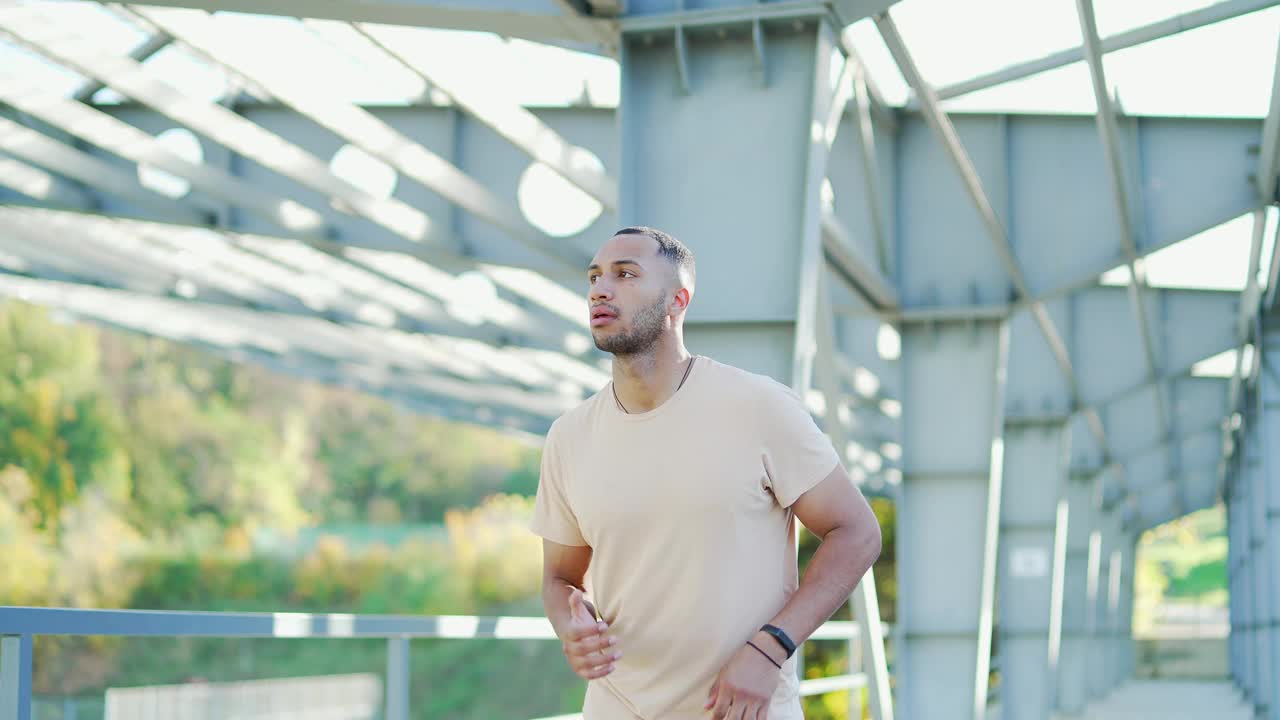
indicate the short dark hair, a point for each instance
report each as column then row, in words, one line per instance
column 676, row 252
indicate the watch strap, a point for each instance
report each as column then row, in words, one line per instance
column 782, row 637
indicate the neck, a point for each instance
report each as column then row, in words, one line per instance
column 643, row 381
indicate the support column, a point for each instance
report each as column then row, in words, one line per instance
column 953, row 412
column 1264, row 680
column 1100, row 545
column 1248, row 665
column 1269, row 429
column 745, row 197
column 1122, row 637
column 398, row 678
column 1033, row 525
column 15, row 677
column 1233, row 580
column 1082, row 503
column 1112, row 675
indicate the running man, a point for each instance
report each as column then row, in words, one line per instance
column 670, row 498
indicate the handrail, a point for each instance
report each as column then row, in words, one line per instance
column 19, row 625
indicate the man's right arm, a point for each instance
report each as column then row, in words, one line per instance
column 587, row 645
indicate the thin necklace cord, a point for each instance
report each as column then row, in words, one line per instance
column 682, row 379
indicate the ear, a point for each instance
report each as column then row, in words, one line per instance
column 680, row 302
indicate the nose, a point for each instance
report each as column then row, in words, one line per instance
column 600, row 291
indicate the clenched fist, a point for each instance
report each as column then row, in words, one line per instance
column 591, row 651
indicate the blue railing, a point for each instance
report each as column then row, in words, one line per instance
column 19, row 626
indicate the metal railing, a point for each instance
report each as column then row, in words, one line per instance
column 19, row 626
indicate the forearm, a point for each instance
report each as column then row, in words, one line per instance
column 555, row 601
column 843, row 557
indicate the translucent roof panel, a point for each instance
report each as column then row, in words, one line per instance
column 22, row 63
column 1117, row 16
column 112, row 32
column 1223, row 69
column 524, row 72
column 954, row 41
column 1216, row 259
column 180, row 68
column 320, row 55
column 1220, row 70
column 335, row 55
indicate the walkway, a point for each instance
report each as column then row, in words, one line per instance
column 1171, row 700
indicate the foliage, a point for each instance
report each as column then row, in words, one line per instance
column 829, row 657
column 1183, row 561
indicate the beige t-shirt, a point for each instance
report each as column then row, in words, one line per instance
column 686, row 510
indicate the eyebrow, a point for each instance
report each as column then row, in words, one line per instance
column 624, row 261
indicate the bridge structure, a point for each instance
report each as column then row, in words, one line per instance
column 932, row 282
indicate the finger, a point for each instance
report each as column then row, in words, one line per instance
column 763, row 712
column 721, row 710
column 592, row 660
column 579, row 630
column 597, row 672
column 578, row 607
column 712, row 696
column 593, row 643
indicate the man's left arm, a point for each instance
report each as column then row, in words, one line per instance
column 836, row 512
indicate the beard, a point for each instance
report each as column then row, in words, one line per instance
column 646, row 328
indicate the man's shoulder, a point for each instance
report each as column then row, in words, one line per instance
column 742, row 380
column 577, row 415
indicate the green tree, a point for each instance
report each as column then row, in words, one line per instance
column 56, row 424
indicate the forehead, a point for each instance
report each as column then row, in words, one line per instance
column 634, row 247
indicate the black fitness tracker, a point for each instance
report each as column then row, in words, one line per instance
column 781, row 636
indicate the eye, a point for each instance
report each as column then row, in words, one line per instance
column 591, row 279
column 626, row 273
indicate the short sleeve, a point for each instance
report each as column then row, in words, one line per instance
column 797, row 454
column 553, row 518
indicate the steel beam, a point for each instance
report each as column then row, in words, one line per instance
column 1107, row 129
column 870, row 170
column 1033, row 523
column 842, row 253
column 805, row 342
column 1100, row 545
column 42, row 150
column 518, row 125
column 124, row 140
column 947, row 136
column 953, row 408
column 299, row 222
column 34, row 28
column 311, row 348
column 536, row 21
column 1264, row 181
column 1215, row 13
column 872, row 102
column 40, row 185
column 1083, row 501
column 253, row 271
column 1264, row 554
column 363, row 130
column 1121, row 606
column 1268, row 421
column 152, row 45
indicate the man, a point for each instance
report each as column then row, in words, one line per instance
column 670, row 497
